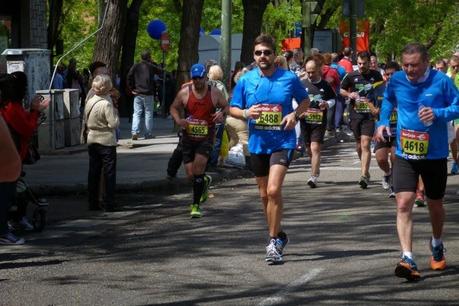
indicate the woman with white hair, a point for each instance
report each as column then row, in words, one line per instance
column 101, row 119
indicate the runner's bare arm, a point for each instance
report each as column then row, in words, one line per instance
column 177, row 107
column 290, row 120
column 220, row 102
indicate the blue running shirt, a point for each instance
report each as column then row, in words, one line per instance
column 275, row 93
column 415, row 141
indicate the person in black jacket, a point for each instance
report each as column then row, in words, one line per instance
column 141, row 83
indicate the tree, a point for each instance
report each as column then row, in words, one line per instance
column 189, row 33
column 253, row 16
column 55, row 13
column 109, row 40
column 128, row 50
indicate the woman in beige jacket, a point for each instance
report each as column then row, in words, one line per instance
column 101, row 121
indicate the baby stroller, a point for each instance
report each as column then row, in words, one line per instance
column 25, row 196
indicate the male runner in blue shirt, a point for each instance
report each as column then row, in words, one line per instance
column 263, row 96
column 426, row 100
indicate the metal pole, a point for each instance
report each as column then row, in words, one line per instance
column 225, row 55
column 306, row 36
column 163, row 98
column 353, row 25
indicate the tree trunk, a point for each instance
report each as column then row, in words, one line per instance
column 110, row 38
column 55, row 12
column 128, row 52
column 253, row 17
column 189, row 38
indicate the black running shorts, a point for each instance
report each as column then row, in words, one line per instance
column 361, row 127
column 388, row 143
column 314, row 133
column 433, row 172
column 190, row 148
column 261, row 163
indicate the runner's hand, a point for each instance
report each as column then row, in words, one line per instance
column 289, row 121
column 379, row 135
column 183, row 123
column 39, row 103
column 254, row 112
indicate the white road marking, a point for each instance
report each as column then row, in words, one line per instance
column 282, row 295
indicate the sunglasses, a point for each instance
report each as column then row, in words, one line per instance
column 264, row 52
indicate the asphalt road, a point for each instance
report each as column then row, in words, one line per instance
column 343, row 249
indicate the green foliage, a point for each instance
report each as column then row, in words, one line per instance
column 79, row 19
column 279, row 21
column 393, row 24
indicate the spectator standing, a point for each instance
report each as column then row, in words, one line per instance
column 102, row 121
column 141, row 83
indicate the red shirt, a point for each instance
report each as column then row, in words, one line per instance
column 332, row 77
column 201, row 109
column 24, row 123
column 347, row 64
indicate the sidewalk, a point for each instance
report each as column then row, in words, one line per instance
column 140, row 168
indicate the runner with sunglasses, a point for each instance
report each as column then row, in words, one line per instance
column 263, row 96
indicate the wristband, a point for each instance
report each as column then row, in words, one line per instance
column 244, row 113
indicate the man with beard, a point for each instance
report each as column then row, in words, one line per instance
column 263, row 96
column 356, row 86
column 199, row 100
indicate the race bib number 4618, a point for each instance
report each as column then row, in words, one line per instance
column 270, row 118
column 414, row 144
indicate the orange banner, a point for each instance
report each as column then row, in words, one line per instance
column 363, row 34
column 291, row 43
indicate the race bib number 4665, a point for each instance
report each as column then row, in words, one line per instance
column 270, row 118
column 414, row 144
column 197, row 129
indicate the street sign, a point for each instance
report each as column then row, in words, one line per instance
column 165, row 42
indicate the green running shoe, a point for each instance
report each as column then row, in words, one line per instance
column 195, row 211
column 205, row 193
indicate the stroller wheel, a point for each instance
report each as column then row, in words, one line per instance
column 39, row 219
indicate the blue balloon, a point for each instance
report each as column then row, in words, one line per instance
column 216, row 32
column 155, row 28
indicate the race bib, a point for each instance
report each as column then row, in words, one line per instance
column 197, row 129
column 270, row 118
column 314, row 116
column 393, row 122
column 362, row 107
column 414, row 144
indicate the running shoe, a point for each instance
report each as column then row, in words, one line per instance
column 386, row 182
column 10, row 238
column 195, row 211
column 205, row 193
column 312, row 182
column 454, row 169
column 438, row 260
column 25, row 224
column 408, row 269
column 392, row 193
column 281, row 242
column 419, row 201
column 272, row 254
column 364, row 182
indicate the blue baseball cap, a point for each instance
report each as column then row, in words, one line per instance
column 198, row 71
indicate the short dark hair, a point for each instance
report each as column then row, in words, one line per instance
column 393, row 65
column 364, row 54
column 288, row 55
column 265, row 39
column 416, row 47
column 347, row 51
column 13, row 86
column 94, row 65
column 145, row 55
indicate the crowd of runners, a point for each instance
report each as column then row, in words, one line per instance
column 287, row 104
